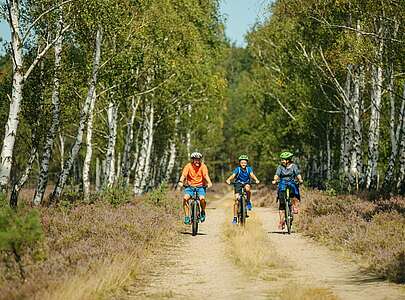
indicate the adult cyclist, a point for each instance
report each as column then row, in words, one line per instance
column 195, row 174
column 287, row 175
column 242, row 175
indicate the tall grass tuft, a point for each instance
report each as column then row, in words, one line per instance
column 248, row 247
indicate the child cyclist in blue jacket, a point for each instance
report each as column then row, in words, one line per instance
column 242, row 175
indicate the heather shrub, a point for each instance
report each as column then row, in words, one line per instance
column 78, row 240
column 375, row 231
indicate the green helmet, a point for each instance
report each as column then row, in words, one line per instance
column 286, row 155
column 243, row 157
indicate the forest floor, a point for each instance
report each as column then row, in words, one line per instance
column 201, row 267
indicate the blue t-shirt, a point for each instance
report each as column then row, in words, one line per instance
column 242, row 176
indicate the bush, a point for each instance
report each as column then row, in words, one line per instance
column 373, row 230
column 117, row 195
column 20, row 231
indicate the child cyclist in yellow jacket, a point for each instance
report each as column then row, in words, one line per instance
column 242, row 175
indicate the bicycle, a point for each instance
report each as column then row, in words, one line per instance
column 288, row 213
column 242, row 201
column 195, row 209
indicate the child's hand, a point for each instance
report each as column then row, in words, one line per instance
column 274, row 182
column 228, row 181
column 257, row 181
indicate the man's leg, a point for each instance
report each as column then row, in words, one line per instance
column 248, row 194
column 281, row 215
column 295, row 205
column 203, row 206
column 235, row 208
column 186, row 208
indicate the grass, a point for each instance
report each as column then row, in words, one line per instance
column 374, row 231
column 294, row 291
column 248, row 248
column 91, row 249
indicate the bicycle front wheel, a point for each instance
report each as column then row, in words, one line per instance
column 242, row 211
column 288, row 216
column 194, row 218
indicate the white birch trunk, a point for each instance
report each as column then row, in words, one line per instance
column 118, row 172
column 374, row 128
column 129, row 138
column 356, row 163
column 401, row 139
column 143, row 164
column 346, row 132
column 147, row 171
column 328, row 156
column 16, row 95
column 89, row 149
column 172, row 151
column 44, row 165
column 24, row 177
column 395, row 131
column 172, row 160
column 62, row 150
column 98, row 175
column 112, row 116
column 82, row 122
column 188, row 134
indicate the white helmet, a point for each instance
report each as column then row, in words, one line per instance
column 196, row 155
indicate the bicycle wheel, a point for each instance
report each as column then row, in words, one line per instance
column 194, row 218
column 242, row 210
column 288, row 218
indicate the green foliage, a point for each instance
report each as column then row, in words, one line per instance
column 116, row 195
column 20, row 230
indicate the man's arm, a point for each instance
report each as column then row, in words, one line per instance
column 254, row 177
column 228, row 180
column 181, row 180
column 208, row 179
column 299, row 177
column 276, row 178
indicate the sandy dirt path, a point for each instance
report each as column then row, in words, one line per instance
column 314, row 263
column 199, row 268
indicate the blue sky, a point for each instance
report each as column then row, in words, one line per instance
column 240, row 15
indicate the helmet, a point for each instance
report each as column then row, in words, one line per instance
column 286, row 155
column 243, row 157
column 196, row 155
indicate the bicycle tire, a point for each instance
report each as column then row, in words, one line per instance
column 242, row 205
column 194, row 218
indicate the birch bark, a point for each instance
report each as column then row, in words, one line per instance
column 44, row 165
column 89, row 149
column 142, row 169
column 172, row 151
column 374, row 128
column 16, row 95
column 129, row 139
column 112, row 115
column 82, row 122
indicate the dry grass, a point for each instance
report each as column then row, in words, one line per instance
column 90, row 249
column 248, row 248
column 294, row 291
column 95, row 284
column 375, row 231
